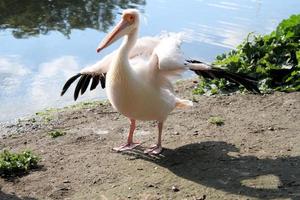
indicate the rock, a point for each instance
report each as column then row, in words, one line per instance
column 201, row 198
column 150, row 185
column 66, row 181
column 271, row 128
column 196, row 133
column 175, row 189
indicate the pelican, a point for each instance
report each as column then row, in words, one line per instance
column 138, row 76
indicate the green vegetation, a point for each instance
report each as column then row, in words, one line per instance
column 56, row 133
column 272, row 59
column 17, row 163
column 219, row 121
column 48, row 115
column 86, row 104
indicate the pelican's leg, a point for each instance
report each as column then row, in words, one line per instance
column 157, row 148
column 130, row 144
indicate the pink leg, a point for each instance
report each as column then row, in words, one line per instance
column 130, row 144
column 156, row 149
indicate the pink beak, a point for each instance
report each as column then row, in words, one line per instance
column 114, row 35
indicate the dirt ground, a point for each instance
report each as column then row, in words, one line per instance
column 254, row 155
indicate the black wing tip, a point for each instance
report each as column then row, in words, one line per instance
column 83, row 83
column 103, row 80
column 68, row 83
column 95, row 82
column 248, row 82
column 79, row 86
column 256, row 90
column 62, row 93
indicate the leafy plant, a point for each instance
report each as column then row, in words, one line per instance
column 56, row 133
column 17, row 163
column 272, row 59
column 219, row 121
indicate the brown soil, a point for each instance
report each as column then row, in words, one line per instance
column 254, row 155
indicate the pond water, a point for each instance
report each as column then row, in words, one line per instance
column 42, row 43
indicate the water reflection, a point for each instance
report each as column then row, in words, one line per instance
column 31, row 17
column 11, row 73
column 33, row 69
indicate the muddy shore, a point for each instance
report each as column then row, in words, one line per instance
column 255, row 154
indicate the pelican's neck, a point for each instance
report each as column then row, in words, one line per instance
column 128, row 43
column 120, row 70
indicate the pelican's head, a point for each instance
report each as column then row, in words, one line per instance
column 128, row 24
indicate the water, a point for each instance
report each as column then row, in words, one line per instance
column 42, row 43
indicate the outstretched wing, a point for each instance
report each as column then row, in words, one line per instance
column 208, row 71
column 83, row 83
column 96, row 73
column 166, row 62
column 170, row 57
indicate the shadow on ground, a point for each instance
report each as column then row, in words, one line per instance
column 5, row 196
column 16, row 175
column 218, row 165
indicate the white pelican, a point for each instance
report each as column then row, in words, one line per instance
column 137, row 76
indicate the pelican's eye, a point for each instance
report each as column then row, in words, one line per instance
column 129, row 18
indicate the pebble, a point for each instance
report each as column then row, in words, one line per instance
column 175, row 189
column 271, row 128
column 131, row 158
column 201, row 198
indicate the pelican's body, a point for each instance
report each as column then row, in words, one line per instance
column 138, row 75
column 136, row 85
column 134, row 90
column 137, row 80
column 135, row 98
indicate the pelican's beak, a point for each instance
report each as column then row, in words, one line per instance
column 115, row 34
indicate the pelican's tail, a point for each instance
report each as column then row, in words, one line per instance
column 182, row 103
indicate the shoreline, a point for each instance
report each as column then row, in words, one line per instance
column 254, row 154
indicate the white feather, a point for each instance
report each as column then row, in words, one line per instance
column 145, row 92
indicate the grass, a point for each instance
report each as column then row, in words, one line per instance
column 56, row 133
column 12, row 164
column 216, row 120
column 48, row 115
